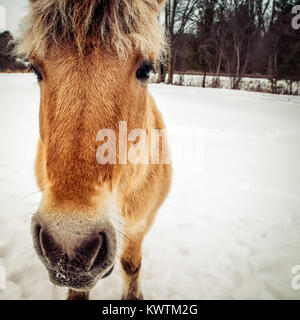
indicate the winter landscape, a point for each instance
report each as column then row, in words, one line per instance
column 230, row 226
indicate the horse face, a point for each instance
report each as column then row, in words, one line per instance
column 73, row 231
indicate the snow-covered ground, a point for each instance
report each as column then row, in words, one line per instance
column 230, row 228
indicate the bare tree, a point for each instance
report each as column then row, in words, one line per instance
column 178, row 20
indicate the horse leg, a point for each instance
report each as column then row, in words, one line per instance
column 77, row 295
column 131, row 258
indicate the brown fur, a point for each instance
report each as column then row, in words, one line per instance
column 81, row 95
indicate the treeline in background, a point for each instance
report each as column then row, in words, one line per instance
column 236, row 38
column 8, row 61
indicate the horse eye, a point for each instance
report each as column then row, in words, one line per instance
column 143, row 72
column 36, row 72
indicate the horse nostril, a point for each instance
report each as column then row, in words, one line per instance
column 36, row 230
column 91, row 253
column 49, row 248
column 102, row 252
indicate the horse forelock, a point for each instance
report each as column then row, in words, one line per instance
column 119, row 26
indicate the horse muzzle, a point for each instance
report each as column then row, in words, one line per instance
column 76, row 255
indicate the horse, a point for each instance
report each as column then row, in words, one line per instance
column 92, row 60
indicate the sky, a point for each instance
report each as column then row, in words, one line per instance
column 13, row 11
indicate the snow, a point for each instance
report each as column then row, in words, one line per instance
column 230, row 226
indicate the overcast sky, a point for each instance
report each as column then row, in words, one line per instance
column 15, row 11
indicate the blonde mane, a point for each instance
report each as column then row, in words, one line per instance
column 120, row 26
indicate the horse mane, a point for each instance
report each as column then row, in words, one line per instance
column 116, row 25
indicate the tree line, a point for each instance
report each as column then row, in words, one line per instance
column 231, row 37
column 8, row 61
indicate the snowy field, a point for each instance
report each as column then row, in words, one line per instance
column 230, row 228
